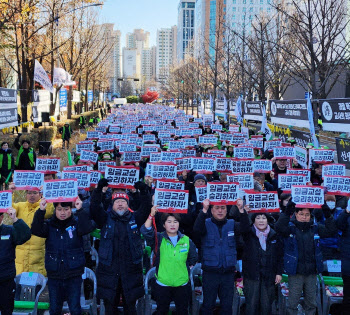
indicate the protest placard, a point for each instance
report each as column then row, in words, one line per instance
column 222, row 193
column 337, row 185
column 127, row 147
column 221, row 153
column 164, row 134
column 284, row 152
column 95, row 176
column 343, row 151
column 176, row 145
column 262, row 201
column 216, row 127
column 197, row 131
column 242, row 166
column 102, row 165
column 183, row 164
column 114, row 129
column 101, row 129
column 224, row 164
column 301, row 156
column 207, row 140
column 60, row 190
column 88, row 156
column 167, row 156
column 188, row 153
column 170, row 200
column 49, row 165
column 131, row 157
column 161, row 170
column 170, row 184
column 87, row 146
column 149, row 137
column 83, row 178
column 93, row 134
column 256, row 143
column 245, row 180
column 269, row 145
column 5, row 200
column 203, row 165
column 297, row 171
column 321, row 156
column 82, row 168
column 149, row 128
column 201, row 193
column 244, row 153
column 262, row 166
column 185, row 132
column 308, row 196
column 122, row 176
column 128, row 130
column 333, row 169
column 147, row 150
column 105, row 146
column 234, row 128
column 190, row 142
column 285, row 181
column 155, row 157
column 28, row 180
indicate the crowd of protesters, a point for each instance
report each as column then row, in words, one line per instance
column 50, row 238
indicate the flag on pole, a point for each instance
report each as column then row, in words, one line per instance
column 310, row 114
column 41, row 77
column 226, row 114
column 238, row 111
column 264, row 127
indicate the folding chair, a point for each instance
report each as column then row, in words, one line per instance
column 239, row 298
column 89, row 305
column 332, row 285
column 29, row 286
column 283, row 293
column 150, row 305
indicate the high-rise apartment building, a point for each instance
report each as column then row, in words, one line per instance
column 139, row 40
column 185, row 28
column 115, row 57
column 166, row 52
column 148, row 65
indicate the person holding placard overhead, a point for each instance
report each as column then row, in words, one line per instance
column 64, row 257
column 343, row 224
column 10, row 237
column 175, row 255
column 218, row 253
column 302, row 253
column 30, row 256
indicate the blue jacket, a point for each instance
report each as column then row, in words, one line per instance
column 302, row 253
column 218, row 241
column 343, row 224
column 64, row 255
column 10, row 237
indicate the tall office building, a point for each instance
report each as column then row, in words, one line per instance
column 115, row 58
column 185, row 28
column 166, row 52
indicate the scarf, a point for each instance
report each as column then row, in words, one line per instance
column 262, row 236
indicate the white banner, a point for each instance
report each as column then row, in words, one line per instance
column 41, row 77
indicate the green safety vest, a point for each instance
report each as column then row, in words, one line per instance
column 98, row 119
column 30, row 155
column 8, row 160
column 64, row 131
column 172, row 270
column 82, row 120
column 91, row 120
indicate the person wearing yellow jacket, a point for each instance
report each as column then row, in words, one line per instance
column 30, row 257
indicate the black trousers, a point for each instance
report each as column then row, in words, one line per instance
column 164, row 296
column 7, row 296
column 112, row 306
column 259, row 297
column 218, row 284
column 346, row 295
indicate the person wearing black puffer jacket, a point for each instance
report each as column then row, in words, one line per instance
column 262, row 265
column 343, row 224
column 64, row 255
column 120, row 251
column 302, row 253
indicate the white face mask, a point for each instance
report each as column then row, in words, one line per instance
column 348, row 207
column 331, row 204
column 120, row 212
